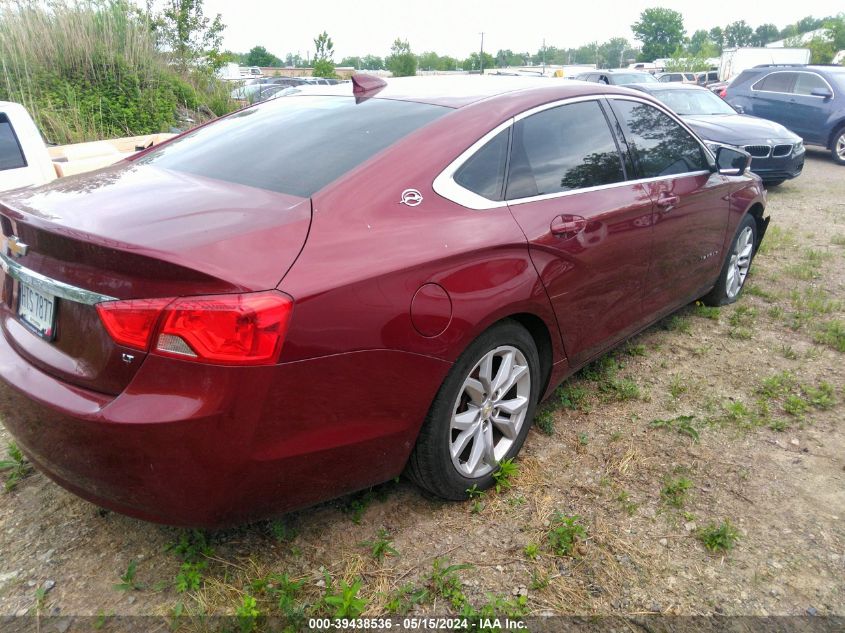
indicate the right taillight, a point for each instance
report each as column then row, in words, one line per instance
column 238, row 329
column 723, row 92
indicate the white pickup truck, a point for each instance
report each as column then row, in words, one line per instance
column 25, row 160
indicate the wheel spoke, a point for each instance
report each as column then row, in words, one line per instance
column 461, row 441
column 504, row 371
column 517, row 372
column 507, row 426
column 475, row 390
column 485, row 372
column 463, row 421
column 477, row 451
column 514, row 405
column 489, row 454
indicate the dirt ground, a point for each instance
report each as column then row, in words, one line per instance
column 710, row 416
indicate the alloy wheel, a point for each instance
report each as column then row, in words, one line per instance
column 490, row 411
column 740, row 262
column 840, row 147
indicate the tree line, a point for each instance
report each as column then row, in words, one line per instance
column 660, row 33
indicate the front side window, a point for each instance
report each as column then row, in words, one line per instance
column 807, row 82
column 484, row 172
column 660, row 145
column 560, row 149
column 11, row 156
column 776, row 82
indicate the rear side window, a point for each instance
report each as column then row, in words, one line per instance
column 11, row 156
column 563, row 148
column 484, row 173
column 659, row 144
column 807, row 82
column 295, row 144
column 776, row 82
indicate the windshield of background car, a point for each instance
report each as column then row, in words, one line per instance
column 294, row 144
column 634, row 78
column 693, row 102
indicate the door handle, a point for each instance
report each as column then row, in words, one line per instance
column 668, row 201
column 567, row 225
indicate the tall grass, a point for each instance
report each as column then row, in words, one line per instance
column 90, row 69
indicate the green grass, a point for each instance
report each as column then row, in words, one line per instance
column 532, row 551
column 572, row 396
column 718, row 538
column 564, row 533
column 127, row 580
column 677, row 323
column 544, row 420
column 344, row 601
column 380, row 546
column 16, row 467
column 838, row 240
column 831, row 334
column 777, row 240
column 674, row 492
column 681, row 425
column 707, row 312
column 504, row 474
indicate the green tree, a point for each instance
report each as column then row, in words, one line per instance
column 190, row 38
column 428, row 61
column 401, row 61
column 323, row 62
column 353, row 61
column 613, row 52
column 717, row 36
column 260, row 56
column 821, row 50
column 738, row 34
column 698, row 41
column 507, row 57
column 765, row 33
column 836, row 26
column 294, row 61
column 661, row 31
column 472, row 62
column 372, row 62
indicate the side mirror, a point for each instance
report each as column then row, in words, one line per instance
column 824, row 93
column 739, row 109
column 732, row 161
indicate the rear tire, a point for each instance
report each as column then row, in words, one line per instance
column 737, row 265
column 837, row 148
column 772, row 183
column 481, row 414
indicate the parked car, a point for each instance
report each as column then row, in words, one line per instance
column 707, row 78
column 686, row 78
column 312, row 295
column 617, row 77
column 776, row 153
column 809, row 100
column 24, row 159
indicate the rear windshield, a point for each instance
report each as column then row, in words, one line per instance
column 295, row 144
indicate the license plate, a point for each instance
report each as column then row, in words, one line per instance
column 37, row 310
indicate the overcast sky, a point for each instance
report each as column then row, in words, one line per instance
column 452, row 27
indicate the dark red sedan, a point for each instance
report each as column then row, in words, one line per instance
column 315, row 294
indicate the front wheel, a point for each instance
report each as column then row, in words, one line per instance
column 838, row 148
column 737, row 264
column 481, row 414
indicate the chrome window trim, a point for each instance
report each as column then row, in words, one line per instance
column 49, row 286
column 797, row 94
column 445, row 185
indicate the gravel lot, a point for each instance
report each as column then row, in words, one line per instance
column 743, row 404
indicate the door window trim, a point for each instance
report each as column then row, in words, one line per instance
column 794, row 94
column 445, row 185
column 8, row 121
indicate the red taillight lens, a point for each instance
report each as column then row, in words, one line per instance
column 132, row 323
column 723, row 93
column 245, row 329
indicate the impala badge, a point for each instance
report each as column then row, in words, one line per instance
column 411, row 197
column 16, row 247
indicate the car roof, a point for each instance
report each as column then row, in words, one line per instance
column 665, row 86
column 460, row 90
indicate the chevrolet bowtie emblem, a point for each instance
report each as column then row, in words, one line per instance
column 16, row 247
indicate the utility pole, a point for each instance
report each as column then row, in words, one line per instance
column 481, row 56
column 544, row 56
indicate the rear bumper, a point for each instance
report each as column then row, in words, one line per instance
column 209, row 446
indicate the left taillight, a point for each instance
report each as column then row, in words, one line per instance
column 238, row 329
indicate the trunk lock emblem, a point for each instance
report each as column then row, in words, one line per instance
column 16, row 247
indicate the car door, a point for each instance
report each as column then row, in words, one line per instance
column 770, row 97
column 690, row 203
column 807, row 112
column 587, row 227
